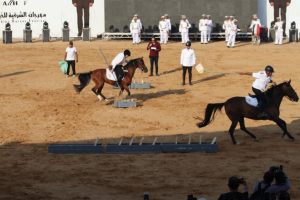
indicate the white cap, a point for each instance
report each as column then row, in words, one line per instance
column 255, row 16
column 135, row 15
column 166, row 15
column 183, row 16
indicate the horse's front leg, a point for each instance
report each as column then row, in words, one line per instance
column 127, row 90
column 281, row 123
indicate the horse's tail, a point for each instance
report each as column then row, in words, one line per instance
column 84, row 80
column 210, row 113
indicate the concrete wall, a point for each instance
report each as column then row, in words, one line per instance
column 118, row 13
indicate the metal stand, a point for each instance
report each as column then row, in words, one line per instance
column 46, row 35
column 7, row 36
column 27, row 35
column 293, row 35
column 65, row 34
column 86, row 34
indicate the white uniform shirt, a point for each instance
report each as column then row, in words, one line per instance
column 262, row 80
column 279, row 26
column 169, row 25
column 255, row 24
column 71, row 53
column 163, row 26
column 134, row 27
column 209, row 23
column 118, row 60
column 188, row 58
column 226, row 25
column 184, row 26
column 203, row 25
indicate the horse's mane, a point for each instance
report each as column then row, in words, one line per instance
column 271, row 89
column 130, row 62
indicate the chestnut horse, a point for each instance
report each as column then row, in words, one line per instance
column 237, row 109
column 99, row 78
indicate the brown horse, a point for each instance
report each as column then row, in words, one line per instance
column 99, row 78
column 237, row 109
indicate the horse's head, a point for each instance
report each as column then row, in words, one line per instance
column 289, row 91
column 139, row 62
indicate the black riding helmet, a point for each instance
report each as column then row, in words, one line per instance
column 188, row 43
column 269, row 69
column 127, row 52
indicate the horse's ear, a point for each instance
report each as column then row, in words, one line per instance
column 289, row 82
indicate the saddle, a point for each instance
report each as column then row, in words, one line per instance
column 252, row 95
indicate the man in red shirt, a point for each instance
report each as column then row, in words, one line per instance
column 280, row 4
column 154, row 48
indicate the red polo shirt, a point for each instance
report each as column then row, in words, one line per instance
column 154, row 49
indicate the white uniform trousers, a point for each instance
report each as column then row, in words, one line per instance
column 227, row 32
column 231, row 40
column 135, row 38
column 208, row 34
column 184, row 37
column 163, row 37
column 278, row 36
column 204, row 36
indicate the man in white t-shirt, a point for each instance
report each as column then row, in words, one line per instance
column 71, row 56
column 259, row 86
column 187, row 61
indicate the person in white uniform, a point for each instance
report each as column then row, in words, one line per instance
column 169, row 25
column 184, row 26
column 278, row 31
column 187, row 61
column 135, row 31
column 255, row 29
column 117, row 64
column 203, row 29
column 259, row 86
column 226, row 27
column 209, row 27
column 135, row 16
column 163, row 29
column 232, row 34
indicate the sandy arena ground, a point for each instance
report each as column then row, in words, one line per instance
column 39, row 106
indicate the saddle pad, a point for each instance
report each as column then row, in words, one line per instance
column 111, row 75
column 251, row 101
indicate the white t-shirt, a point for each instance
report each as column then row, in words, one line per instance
column 262, row 80
column 188, row 58
column 118, row 60
column 71, row 53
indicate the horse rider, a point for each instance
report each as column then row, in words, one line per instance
column 117, row 64
column 259, row 86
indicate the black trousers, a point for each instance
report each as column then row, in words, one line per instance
column 73, row 64
column 119, row 72
column 153, row 60
column 184, row 68
column 261, row 98
column 80, row 9
column 282, row 6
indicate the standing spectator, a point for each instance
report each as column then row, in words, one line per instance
column 163, row 29
column 278, row 31
column 233, row 185
column 255, row 29
column 203, row 29
column 71, row 56
column 83, row 5
column 135, row 30
column 232, row 34
column 184, row 26
column 226, row 27
column 154, row 48
column 280, row 4
column 169, row 25
column 209, row 27
column 187, row 60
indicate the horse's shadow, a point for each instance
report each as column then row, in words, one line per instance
column 171, row 71
column 213, row 77
column 144, row 97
